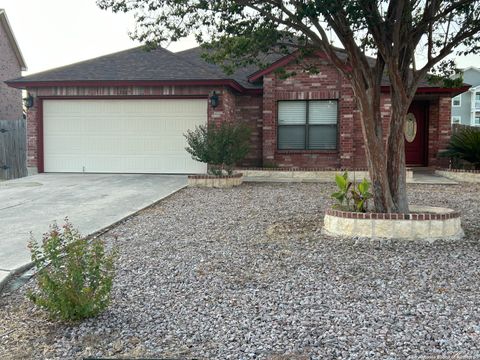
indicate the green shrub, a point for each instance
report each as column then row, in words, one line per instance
column 74, row 275
column 349, row 197
column 464, row 145
column 222, row 146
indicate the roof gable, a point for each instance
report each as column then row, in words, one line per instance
column 11, row 38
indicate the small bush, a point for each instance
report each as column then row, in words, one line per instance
column 349, row 197
column 222, row 146
column 464, row 145
column 74, row 275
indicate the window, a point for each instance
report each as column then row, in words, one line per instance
column 307, row 125
column 456, row 119
column 457, row 101
column 477, row 100
column 477, row 121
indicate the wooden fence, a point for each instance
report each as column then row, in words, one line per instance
column 13, row 149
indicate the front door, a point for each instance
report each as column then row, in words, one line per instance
column 415, row 141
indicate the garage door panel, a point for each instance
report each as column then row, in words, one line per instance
column 131, row 136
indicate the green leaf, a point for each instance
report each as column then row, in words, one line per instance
column 363, row 186
column 341, row 182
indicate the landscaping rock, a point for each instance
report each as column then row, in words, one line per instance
column 246, row 273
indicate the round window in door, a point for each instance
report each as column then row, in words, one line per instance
column 410, row 129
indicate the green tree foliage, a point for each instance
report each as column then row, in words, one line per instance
column 465, row 145
column 74, row 275
column 378, row 39
column 221, row 146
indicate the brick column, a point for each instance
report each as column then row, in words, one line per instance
column 346, row 124
column 269, row 128
column 439, row 129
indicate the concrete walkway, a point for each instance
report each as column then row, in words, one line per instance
column 91, row 201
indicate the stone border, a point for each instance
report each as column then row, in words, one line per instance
column 300, row 169
column 313, row 175
column 426, row 223
column 470, row 176
column 212, row 181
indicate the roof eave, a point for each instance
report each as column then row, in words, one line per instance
column 434, row 90
column 24, row 84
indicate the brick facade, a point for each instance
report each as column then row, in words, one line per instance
column 328, row 84
column 10, row 98
column 259, row 112
column 231, row 107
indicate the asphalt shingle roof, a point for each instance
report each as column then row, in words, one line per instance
column 132, row 64
column 160, row 64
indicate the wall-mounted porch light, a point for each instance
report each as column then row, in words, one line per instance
column 28, row 101
column 214, row 99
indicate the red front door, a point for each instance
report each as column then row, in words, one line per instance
column 416, row 151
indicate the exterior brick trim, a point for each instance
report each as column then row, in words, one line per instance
column 460, row 171
column 392, row 216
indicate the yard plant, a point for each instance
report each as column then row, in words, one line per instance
column 378, row 39
column 221, row 146
column 74, row 275
column 351, row 197
column 465, row 145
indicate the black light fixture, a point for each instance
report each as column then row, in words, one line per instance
column 214, row 99
column 28, row 101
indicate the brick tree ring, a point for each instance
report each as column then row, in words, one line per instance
column 423, row 223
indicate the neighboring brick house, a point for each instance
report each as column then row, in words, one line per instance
column 127, row 112
column 11, row 66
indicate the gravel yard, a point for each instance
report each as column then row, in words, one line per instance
column 246, row 273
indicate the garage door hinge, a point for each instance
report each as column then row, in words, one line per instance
column 3, row 131
column 4, row 167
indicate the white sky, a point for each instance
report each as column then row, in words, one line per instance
column 53, row 33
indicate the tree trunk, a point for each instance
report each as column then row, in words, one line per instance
column 396, row 167
column 369, row 103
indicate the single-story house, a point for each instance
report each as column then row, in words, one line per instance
column 127, row 113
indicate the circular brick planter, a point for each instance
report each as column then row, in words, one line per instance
column 424, row 223
column 212, row 181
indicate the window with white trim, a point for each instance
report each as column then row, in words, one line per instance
column 456, row 119
column 477, row 101
column 457, row 101
column 477, row 121
column 307, row 125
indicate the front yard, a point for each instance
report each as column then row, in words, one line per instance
column 246, row 273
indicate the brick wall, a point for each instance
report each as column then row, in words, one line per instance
column 10, row 98
column 350, row 153
column 249, row 111
column 260, row 113
column 324, row 85
column 440, row 129
column 231, row 106
column 328, row 84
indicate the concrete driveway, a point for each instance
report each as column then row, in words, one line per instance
column 91, row 201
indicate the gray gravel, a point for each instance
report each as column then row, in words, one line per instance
column 246, row 274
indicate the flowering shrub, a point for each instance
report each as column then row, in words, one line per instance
column 74, row 274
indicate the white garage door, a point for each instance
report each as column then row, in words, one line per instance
column 120, row 136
